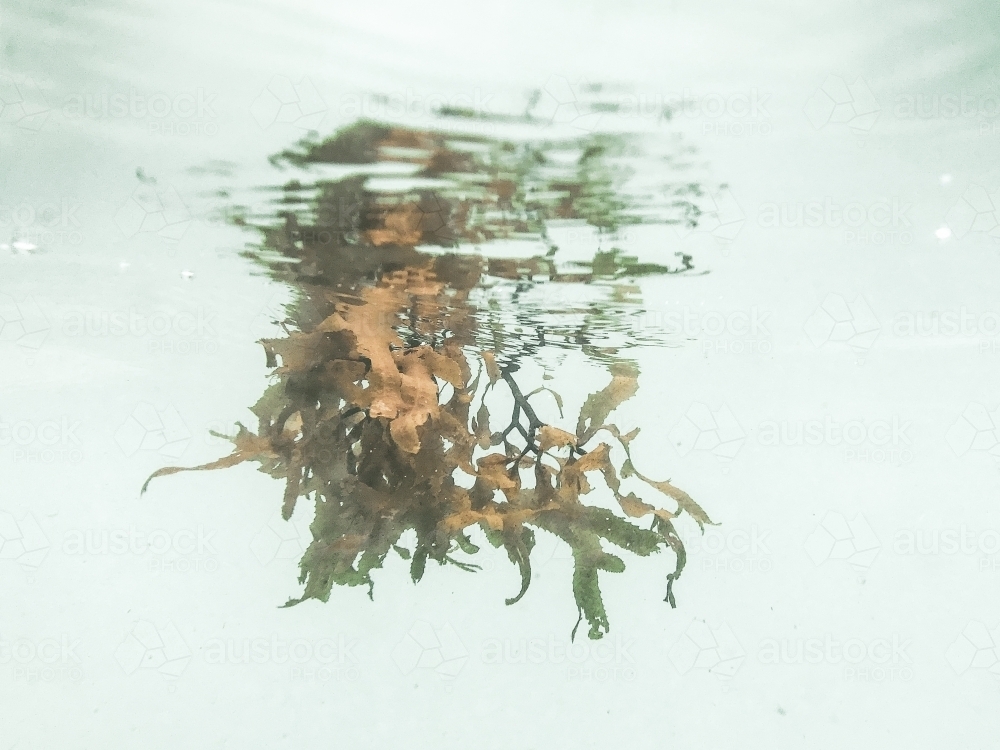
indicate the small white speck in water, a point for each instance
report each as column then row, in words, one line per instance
column 187, row 275
column 20, row 246
column 943, row 234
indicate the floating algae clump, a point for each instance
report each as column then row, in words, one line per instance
column 379, row 402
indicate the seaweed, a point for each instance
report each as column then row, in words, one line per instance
column 377, row 413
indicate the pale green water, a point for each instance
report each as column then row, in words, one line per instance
column 769, row 573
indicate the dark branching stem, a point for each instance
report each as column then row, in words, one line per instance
column 352, row 411
column 521, row 403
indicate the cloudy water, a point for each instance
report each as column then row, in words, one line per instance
column 422, row 374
